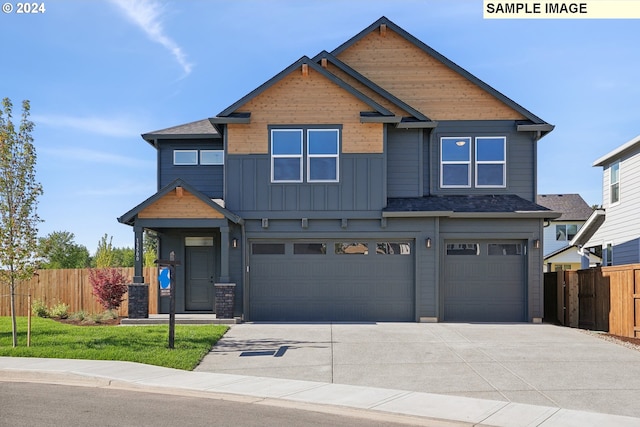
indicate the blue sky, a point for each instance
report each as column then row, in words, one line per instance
column 100, row 73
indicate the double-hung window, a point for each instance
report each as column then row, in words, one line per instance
column 322, row 155
column 456, row 162
column 487, row 164
column 614, row 182
column 299, row 154
column 490, row 161
column 286, row 155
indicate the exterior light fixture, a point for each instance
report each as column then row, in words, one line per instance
column 428, row 242
column 234, row 242
column 536, row 244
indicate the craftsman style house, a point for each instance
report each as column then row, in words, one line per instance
column 376, row 182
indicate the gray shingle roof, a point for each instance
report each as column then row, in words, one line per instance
column 200, row 127
column 492, row 203
column 572, row 206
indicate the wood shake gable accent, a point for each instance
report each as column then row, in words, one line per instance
column 179, row 204
column 302, row 96
column 423, row 78
column 178, row 200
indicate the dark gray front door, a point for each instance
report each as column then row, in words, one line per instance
column 200, row 278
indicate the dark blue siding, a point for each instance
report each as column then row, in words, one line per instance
column 207, row 179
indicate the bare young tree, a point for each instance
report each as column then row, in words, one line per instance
column 19, row 193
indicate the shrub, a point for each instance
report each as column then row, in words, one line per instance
column 109, row 286
column 39, row 308
column 78, row 315
column 60, row 311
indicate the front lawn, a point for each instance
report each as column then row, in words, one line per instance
column 143, row 344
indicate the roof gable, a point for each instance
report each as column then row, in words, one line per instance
column 446, row 90
column 304, row 63
column 178, row 200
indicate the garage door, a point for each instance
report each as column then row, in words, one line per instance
column 331, row 280
column 484, row 281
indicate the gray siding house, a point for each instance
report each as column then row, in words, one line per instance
column 376, row 182
column 615, row 229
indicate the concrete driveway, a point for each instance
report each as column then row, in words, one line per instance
column 525, row 363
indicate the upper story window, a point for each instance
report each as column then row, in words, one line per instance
column 489, row 162
column 185, row 157
column 455, row 165
column 290, row 147
column 614, row 182
column 195, row 157
column 212, row 157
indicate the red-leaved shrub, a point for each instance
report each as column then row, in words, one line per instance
column 109, row 286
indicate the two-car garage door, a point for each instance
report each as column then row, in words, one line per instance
column 332, row 280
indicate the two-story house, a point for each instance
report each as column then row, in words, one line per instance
column 614, row 230
column 376, row 182
column 559, row 254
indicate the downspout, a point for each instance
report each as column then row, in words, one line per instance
column 245, row 273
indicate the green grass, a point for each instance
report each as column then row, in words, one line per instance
column 143, row 344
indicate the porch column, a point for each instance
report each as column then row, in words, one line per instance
column 224, row 255
column 138, row 250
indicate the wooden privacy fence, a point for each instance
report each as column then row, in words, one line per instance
column 603, row 298
column 71, row 287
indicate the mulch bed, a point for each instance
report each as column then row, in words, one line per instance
column 91, row 322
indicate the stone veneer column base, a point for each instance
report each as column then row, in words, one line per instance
column 138, row 301
column 225, row 299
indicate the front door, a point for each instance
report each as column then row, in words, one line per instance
column 200, row 278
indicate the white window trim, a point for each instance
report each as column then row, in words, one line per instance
column 287, row 156
column 491, row 162
column 333, row 156
column 175, row 163
column 611, row 184
column 211, row 151
column 455, row 162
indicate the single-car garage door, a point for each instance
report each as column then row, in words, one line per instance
column 331, row 280
column 484, row 281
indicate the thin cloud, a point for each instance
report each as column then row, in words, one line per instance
column 147, row 14
column 115, row 127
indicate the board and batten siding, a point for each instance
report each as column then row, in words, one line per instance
column 304, row 100
column 404, row 163
column 422, row 81
column 249, row 187
column 621, row 227
column 208, row 179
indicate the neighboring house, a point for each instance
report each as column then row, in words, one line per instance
column 376, row 182
column 615, row 229
column 559, row 254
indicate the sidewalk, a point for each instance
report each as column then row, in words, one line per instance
column 432, row 409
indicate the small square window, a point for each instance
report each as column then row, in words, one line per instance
column 309, row 248
column 185, row 157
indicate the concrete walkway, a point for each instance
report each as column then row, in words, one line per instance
column 425, row 374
